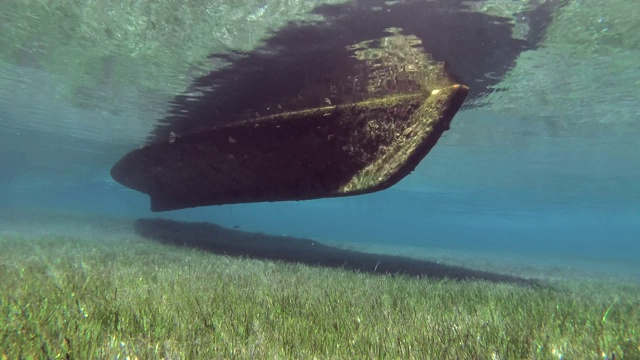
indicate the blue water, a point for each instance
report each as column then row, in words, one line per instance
column 547, row 168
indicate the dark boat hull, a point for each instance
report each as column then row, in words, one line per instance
column 324, row 152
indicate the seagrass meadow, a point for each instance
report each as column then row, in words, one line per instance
column 119, row 296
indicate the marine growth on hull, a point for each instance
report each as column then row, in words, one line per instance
column 353, row 124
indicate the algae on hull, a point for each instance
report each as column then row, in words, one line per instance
column 324, row 152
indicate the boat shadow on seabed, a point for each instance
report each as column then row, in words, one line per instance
column 230, row 242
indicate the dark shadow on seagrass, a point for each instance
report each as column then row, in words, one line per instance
column 224, row 241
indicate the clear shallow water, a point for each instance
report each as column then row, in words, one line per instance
column 548, row 166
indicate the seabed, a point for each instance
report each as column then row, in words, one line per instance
column 80, row 286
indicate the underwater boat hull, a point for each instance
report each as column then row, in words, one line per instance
column 324, row 152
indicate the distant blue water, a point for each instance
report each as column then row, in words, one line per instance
column 398, row 218
column 454, row 200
